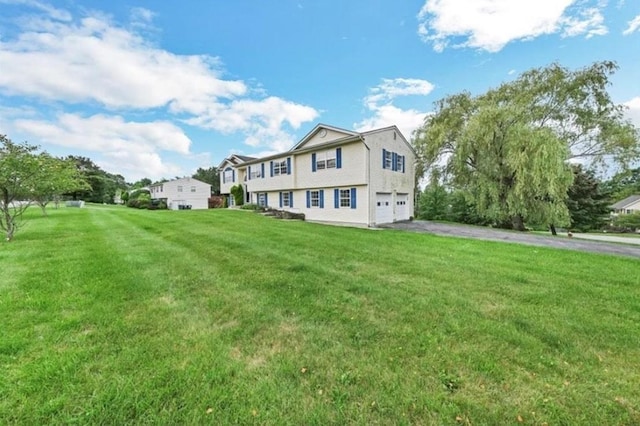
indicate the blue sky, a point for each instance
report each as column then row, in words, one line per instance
column 158, row 89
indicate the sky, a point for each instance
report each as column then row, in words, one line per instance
column 158, row 89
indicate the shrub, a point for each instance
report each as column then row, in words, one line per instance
column 238, row 194
column 251, row 206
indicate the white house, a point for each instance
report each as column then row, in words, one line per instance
column 182, row 193
column 629, row 205
column 332, row 175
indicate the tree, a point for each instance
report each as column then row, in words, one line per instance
column 19, row 173
column 434, row 200
column 238, row 194
column 209, row 176
column 102, row 185
column 507, row 149
column 623, row 184
column 58, row 176
column 588, row 205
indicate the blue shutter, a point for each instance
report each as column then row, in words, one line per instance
column 403, row 157
column 289, row 165
column 322, row 198
column 233, row 175
column 249, row 178
column 394, row 158
column 290, row 199
column 266, row 200
column 308, row 199
column 384, row 158
column 338, row 158
column 313, row 162
column 262, row 170
column 280, row 199
column 336, row 198
column 271, row 165
column 353, row 198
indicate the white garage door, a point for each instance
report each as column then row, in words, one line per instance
column 384, row 208
column 402, row 207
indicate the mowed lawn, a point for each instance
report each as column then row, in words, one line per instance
column 111, row 315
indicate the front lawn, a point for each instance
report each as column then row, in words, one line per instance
column 112, row 316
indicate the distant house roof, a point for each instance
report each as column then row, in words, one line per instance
column 620, row 205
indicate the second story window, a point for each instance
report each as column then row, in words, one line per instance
column 388, row 159
column 326, row 160
column 228, row 175
column 255, row 173
column 179, row 188
column 280, row 168
column 193, row 189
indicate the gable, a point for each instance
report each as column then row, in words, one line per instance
column 322, row 134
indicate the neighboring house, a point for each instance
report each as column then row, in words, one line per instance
column 629, row 205
column 332, row 175
column 182, row 192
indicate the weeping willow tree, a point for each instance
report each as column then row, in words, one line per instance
column 509, row 149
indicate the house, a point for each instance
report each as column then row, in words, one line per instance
column 629, row 205
column 182, row 193
column 332, row 175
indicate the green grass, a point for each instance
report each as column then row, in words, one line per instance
column 119, row 316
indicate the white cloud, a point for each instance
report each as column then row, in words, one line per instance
column 634, row 24
column 95, row 62
column 491, row 24
column 633, row 111
column 133, row 148
column 590, row 22
column 262, row 121
column 380, row 103
column 52, row 12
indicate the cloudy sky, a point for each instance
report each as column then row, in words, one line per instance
column 158, row 89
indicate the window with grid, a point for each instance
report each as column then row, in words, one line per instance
column 345, row 198
column 315, row 198
column 285, row 199
column 388, row 159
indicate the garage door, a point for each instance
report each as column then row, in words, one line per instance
column 402, row 207
column 384, row 208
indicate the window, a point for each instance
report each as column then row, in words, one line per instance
column 399, row 162
column 315, row 198
column 285, row 199
column 326, row 160
column 228, row 175
column 393, row 161
column 179, row 188
column 388, row 159
column 262, row 199
column 280, row 168
column 345, row 198
column 193, row 189
column 255, row 174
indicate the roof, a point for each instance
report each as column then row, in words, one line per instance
column 624, row 203
column 235, row 159
column 186, row 178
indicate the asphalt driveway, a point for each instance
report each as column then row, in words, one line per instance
column 483, row 233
